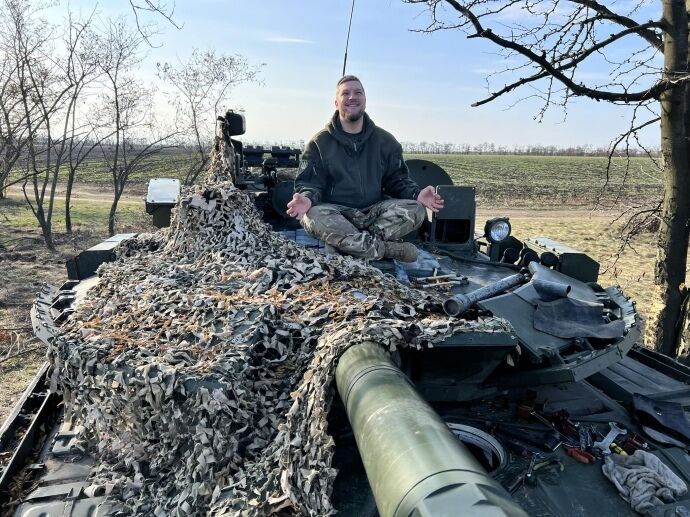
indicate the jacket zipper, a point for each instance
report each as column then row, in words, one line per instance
column 361, row 179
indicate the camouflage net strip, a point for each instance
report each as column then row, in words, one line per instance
column 201, row 366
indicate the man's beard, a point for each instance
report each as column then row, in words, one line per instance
column 354, row 117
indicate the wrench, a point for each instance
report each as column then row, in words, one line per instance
column 604, row 445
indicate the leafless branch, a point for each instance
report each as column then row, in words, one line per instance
column 642, row 29
column 553, row 71
column 155, row 7
column 623, row 137
column 580, row 57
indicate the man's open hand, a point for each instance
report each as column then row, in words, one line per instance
column 299, row 206
column 430, row 199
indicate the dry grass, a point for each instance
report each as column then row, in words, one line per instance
column 26, row 264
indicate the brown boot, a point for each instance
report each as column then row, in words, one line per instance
column 402, row 251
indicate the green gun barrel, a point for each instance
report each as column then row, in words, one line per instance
column 414, row 463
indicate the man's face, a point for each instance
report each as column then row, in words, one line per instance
column 350, row 101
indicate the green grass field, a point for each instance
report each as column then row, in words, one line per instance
column 95, row 171
column 550, row 180
column 501, row 180
column 87, row 215
column 169, row 165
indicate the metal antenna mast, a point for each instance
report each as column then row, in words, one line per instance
column 347, row 43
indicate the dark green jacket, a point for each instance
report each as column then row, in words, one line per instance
column 353, row 170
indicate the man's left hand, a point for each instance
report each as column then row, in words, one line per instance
column 430, row 199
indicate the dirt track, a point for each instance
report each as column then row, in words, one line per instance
column 134, row 192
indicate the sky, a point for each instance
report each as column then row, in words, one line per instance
column 420, row 87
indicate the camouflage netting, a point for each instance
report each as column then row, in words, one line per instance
column 201, row 366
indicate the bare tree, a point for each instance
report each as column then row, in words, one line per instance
column 201, row 86
column 47, row 96
column 82, row 137
column 554, row 42
column 13, row 124
column 13, row 128
column 126, row 110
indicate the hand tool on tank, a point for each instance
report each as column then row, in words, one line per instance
column 547, row 462
column 546, row 439
column 530, row 470
column 633, row 442
column 537, row 461
column 565, row 439
column 565, row 424
column 523, row 439
column 540, row 463
column 527, row 409
column 604, row 446
column 585, row 436
column 617, row 449
column 613, row 447
column 435, row 278
column 522, row 478
column 519, row 481
column 580, row 455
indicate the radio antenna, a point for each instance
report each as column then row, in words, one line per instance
column 347, row 43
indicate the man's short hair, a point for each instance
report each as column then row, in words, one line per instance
column 348, row 78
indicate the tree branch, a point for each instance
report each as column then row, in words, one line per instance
column 548, row 68
column 570, row 64
column 643, row 30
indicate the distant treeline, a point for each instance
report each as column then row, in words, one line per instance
column 107, row 149
column 491, row 148
column 530, row 149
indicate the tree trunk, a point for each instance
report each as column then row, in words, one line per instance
column 68, row 197
column 46, row 229
column 664, row 325
column 111, row 214
column 5, row 169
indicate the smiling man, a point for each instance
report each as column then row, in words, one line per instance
column 353, row 189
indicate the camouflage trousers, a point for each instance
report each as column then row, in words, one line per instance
column 361, row 232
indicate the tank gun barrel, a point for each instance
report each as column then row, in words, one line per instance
column 415, row 465
column 459, row 303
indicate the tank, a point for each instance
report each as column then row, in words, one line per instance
column 481, row 379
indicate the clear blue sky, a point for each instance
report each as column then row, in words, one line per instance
column 418, row 86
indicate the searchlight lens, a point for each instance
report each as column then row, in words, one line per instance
column 497, row 230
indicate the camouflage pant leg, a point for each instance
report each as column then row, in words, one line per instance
column 361, row 232
column 341, row 227
column 394, row 218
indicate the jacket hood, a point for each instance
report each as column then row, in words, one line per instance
column 336, row 130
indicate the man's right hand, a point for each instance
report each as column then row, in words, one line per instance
column 299, row 206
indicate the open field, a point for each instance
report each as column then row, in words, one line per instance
column 550, row 180
column 543, row 196
column 94, row 171
column 502, row 180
